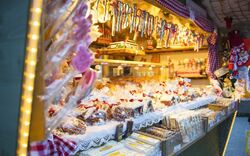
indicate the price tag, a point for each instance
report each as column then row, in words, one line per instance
column 129, row 129
column 164, row 122
column 119, row 132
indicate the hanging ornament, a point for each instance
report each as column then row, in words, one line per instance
column 127, row 12
column 143, row 22
column 133, row 18
column 168, row 34
column 150, row 25
column 174, row 32
column 105, row 10
column 139, row 20
column 114, row 18
column 156, row 25
column 162, row 32
column 119, row 21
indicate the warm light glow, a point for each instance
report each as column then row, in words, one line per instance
column 24, row 145
column 32, row 63
column 31, row 76
column 36, row 10
column 33, row 36
column 30, row 88
column 25, row 134
column 136, row 68
column 36, row 23
column 26, row 123
column 27, row 112
column 33, row 50
column 28, row 100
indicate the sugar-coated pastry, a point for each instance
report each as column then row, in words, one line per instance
column 72, row 125
column 119, row 113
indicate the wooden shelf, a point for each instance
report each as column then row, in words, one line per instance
column 190, row 74
column 128, row 63
column 181, row 49
column 120, row 51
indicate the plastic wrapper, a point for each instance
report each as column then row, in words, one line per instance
column 119, row 113
column 99, row 117
column 69, row 41
column 82, row 60
column 83, row 89
column 56, row 86
column 80, row 63
column 58, row 13
column 53, row 110
column 71, row 125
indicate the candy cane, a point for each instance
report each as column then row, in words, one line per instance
column 120, row 6
column 163, row 22
column 133, row 20
column 105, row 10
column 114, row 19
column 143, row 22
column 127, row 12
column 150, row 25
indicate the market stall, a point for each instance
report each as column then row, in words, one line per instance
column 113, row 80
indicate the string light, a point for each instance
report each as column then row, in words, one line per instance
column 33, row 63
column 33, row 36
column 36, row 23
column 36, row 10
column 30, row 88
column 33, row 50
column 26, row 123
column 25, row 134
column 27, row 112
column 29, row 76
column 28, row 100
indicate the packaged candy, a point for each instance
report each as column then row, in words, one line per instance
column 72, row 125
column 119, row 113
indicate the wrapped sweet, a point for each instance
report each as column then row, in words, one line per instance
column 167, row 100
column 119, row 113
column 98, row 117
column 53, row 110
column 80, row 111
column 72, row 125
column 133, row 108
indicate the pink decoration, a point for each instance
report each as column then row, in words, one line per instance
column 82, row 60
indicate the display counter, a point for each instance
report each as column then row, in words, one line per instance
column 175, row 145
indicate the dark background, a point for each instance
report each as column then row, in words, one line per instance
column 13, row 19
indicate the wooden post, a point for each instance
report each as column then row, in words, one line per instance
column 37, row 123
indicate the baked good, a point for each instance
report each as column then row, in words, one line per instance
column 119, row 113
column 72, row 125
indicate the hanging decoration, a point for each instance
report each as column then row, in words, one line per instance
column 213, row 58
column 145, row 25
column 70, row 45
